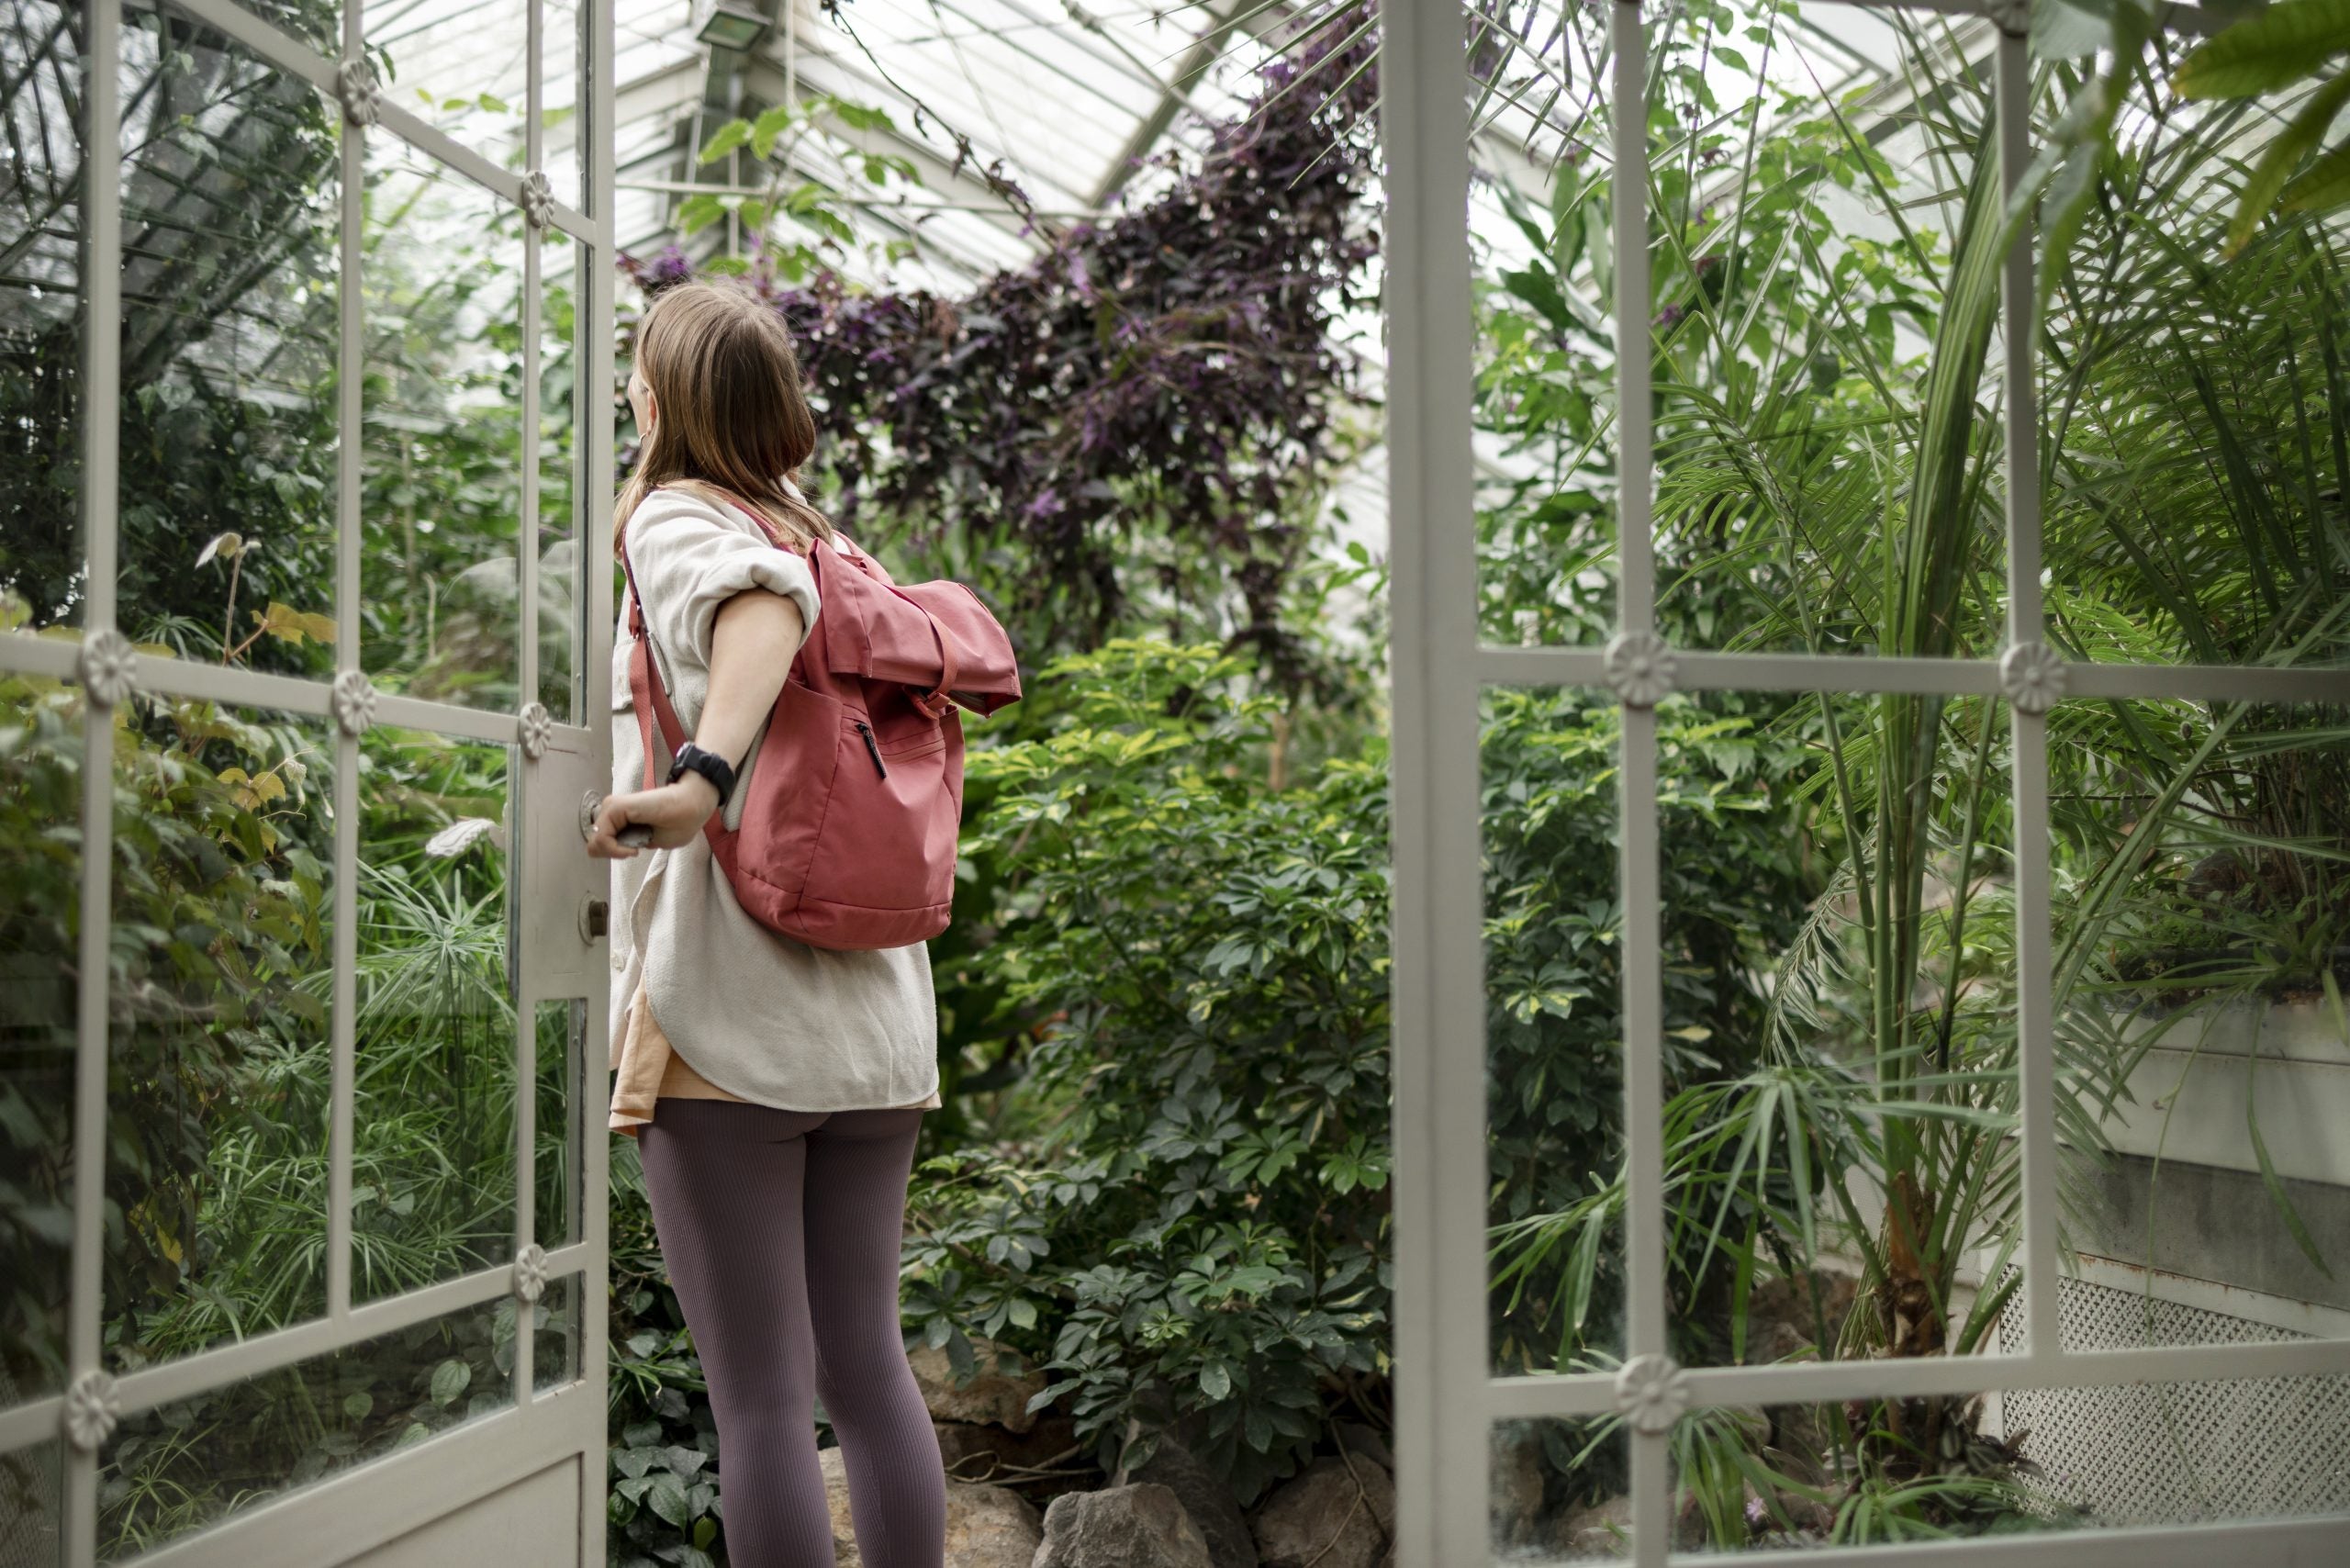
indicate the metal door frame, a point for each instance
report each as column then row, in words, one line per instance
column 1447, row 1399
column 369, row 1505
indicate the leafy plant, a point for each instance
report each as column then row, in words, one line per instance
column 2278, row 50
column 1195, row 1223
column 799, row 226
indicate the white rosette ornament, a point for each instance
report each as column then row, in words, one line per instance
column 1640, row 668
column 92, row 1407
column 1651, row 1393
column 2032, row 677
column 109, row 666
column 530, row 1273
column 354, row 702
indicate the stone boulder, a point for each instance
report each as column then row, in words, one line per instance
column 1783, row 1319
column 1141, row 1526
column 1336, row 1513
column 1603, row 1529
column 1357, row 1438
column 987, row 1527
column 990, row 1526
column 998, row 1393
column 1206, row 1499
column 1517, row 1477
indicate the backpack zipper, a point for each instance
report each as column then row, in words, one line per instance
column 871, row 750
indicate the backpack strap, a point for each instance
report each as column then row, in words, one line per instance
column 651, row 700
column 635, row 599
column 937, row 703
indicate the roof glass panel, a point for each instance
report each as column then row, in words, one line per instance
column 1069, row 100
column 1062, row 98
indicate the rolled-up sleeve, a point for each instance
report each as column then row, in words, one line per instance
column 688, row 561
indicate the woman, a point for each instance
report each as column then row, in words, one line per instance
column 775, row 1089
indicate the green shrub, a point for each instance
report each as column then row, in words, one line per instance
column 1189, row 1218
column 1197, row 1220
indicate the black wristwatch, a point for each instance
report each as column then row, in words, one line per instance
column 691, row 759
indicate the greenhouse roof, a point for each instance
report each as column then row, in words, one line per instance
column 1064, row 99
column 1067, row 100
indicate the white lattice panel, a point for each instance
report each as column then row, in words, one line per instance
column 2257, row 1448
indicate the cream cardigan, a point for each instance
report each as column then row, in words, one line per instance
column 754, row 1016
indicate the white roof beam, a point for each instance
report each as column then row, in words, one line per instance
column 1174, row 98
column 763, row 78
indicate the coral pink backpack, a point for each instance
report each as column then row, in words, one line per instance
column 850, row 813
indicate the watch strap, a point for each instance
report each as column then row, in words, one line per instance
column 691, row 759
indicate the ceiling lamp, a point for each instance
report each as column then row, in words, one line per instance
column 730, row 26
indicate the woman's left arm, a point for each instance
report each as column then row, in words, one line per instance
column 752, row 643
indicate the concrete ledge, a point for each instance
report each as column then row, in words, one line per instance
column 2218, row 1224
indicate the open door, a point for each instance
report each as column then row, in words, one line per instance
column 301, row 966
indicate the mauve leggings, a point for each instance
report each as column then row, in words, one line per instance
column 781, row 1232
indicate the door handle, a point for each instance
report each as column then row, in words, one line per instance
column 636, row 836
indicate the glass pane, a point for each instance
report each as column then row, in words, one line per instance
column 41, row 315
column 2203, row 981
column 461, row 65
column 562, row 1109
column 1541, row 237
column 32, row 1485
column 561, row 628
column 40, row 922
column 442, row 465
column 433, row 1173
column 219, row 1067
column 1553, row 1026
column 554, row 1348
column 1839, row 1014
column 171, row 1470
column 560, row 64
column 232, row 227
column 1560, row 1492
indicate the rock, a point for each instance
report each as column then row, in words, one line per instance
column 1141, row 1526
column 1206, row 1499
column 1517, row 1476
column 1780, row 1321
column 990, row 1527
column 1604, row 1530
column 1355, row 1438
column 1333, row 1514
column 987, row 1527
column 998, row 1393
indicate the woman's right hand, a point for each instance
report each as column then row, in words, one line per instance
column 674, row 813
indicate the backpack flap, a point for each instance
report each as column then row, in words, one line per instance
column 987, row 675
column 935, row 637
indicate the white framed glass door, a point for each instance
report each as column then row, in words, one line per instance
column 2043, row 1358
column 303, row 311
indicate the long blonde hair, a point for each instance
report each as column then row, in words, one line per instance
column 729, row 413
